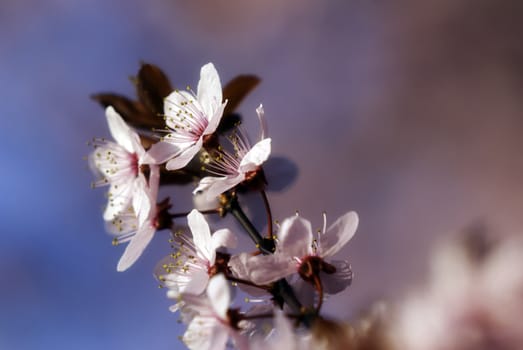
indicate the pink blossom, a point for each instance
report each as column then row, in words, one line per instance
column 189, row 118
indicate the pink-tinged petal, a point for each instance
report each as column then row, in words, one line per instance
column 138, row 147
column 141, row 202
column 136, row 247
column 263, row 123
column 124, row 222
column 119, row 129
column 338, row 234
column 219, row 337
column 256, row 156
column 212, row 187
column 197, row 283
column 304, row 291
column 160, row 153
column 284, row 331
column 154, row 183
column 179, row 103
column 201, row 236
column 119, row 199
column 269, row 268
column 183, row 158
column 214, row 119
column 238, row 265
column 338, row 281
column 219, row 295
column 224, row 238
column 241, row 342
column 202, row 203
column 198, row 335
column 295, row 237
column 209, row 89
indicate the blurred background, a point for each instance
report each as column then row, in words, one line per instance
column 408, row 112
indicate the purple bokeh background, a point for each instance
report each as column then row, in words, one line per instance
column 409, row 113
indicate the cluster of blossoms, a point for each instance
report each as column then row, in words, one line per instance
column 473, row 300
column 182, row 137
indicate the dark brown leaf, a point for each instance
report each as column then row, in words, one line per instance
column 152, row 86
column 131, row 111
column 236, row 90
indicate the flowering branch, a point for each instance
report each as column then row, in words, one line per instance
column 186, row 146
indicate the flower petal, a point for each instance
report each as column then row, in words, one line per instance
column 256, row 156
column 214, row 119
column 184, row 157
column 141, row 201
column 265, row 269
column 338, row 281
column 211, row 187
column 198, row 335
column 119, row 199
column 201, row 236
column 295, row 237
column 197, row 283
column 160, row 153
column 219, row 295
column 218, row 338
column 154, row 183
column 263, row 123
column 136, row 247
column 120, row 131
column 338, row 234
column 224, row 238
column 209, row 89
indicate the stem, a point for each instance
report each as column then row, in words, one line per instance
column 269, row 214
column 236, row 211
column 319, row 289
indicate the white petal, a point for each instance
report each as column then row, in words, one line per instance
column 241, row 342
column 338, row 281
column 201, row 236
column 295, row 237
column 160, row 152
column 284, row 331
column 136, row 247
column 141, row 201
column 197, row 284
column 269, row 268
column 219, row 295
column 201, row 202
column 219, row 337
column 138, row 147
column 154, row 183
column 238, row 265
column 263, row 123
column 119, row 199
column 180, row 103
column 198, row 335
column 209, row 89
column 224, row 238
column 183, row 158
column 214, row 119
column 338, row 234
column 119, row 129
column 212, row 187
column 256, row 156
